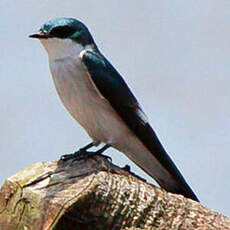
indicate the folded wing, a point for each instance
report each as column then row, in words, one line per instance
column 112, row 87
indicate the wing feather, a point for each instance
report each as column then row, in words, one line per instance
column 112, row 87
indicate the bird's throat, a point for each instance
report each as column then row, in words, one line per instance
column 58, row 49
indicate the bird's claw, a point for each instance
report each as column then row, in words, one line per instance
column 83, row 154
column 74, row 155
column 126, row 168
column 67, row 157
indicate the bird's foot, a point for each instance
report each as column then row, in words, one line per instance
column 126, row 168
column 90, row 154
column 84, row 154
column 74, row 155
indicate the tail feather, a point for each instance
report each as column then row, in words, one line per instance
column 155, row 161
column 173, row 181
column 165, row 178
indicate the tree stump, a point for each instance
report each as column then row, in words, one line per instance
column 95, row 194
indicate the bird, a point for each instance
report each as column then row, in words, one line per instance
column 99, row 99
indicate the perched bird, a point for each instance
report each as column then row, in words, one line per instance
column 98, row 98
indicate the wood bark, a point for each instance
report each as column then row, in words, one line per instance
column 95, row 194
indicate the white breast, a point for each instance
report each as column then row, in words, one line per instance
column 80, row 96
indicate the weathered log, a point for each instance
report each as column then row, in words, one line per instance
column 95, row 194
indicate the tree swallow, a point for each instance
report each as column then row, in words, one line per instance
column 99, row 99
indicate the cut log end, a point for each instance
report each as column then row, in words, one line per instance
column 95, row 194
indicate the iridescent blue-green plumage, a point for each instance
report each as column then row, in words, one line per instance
column 68, row 28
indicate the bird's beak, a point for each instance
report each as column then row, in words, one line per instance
column 39, row 35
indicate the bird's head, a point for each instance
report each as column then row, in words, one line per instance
column 63, row 36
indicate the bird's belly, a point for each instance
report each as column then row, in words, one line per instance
column 86, row 105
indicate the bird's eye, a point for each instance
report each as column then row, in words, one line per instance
column 61, row 32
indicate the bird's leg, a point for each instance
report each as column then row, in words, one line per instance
column 87, row 154
column 100, row 151
column 80, row 151
column 85, row 148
